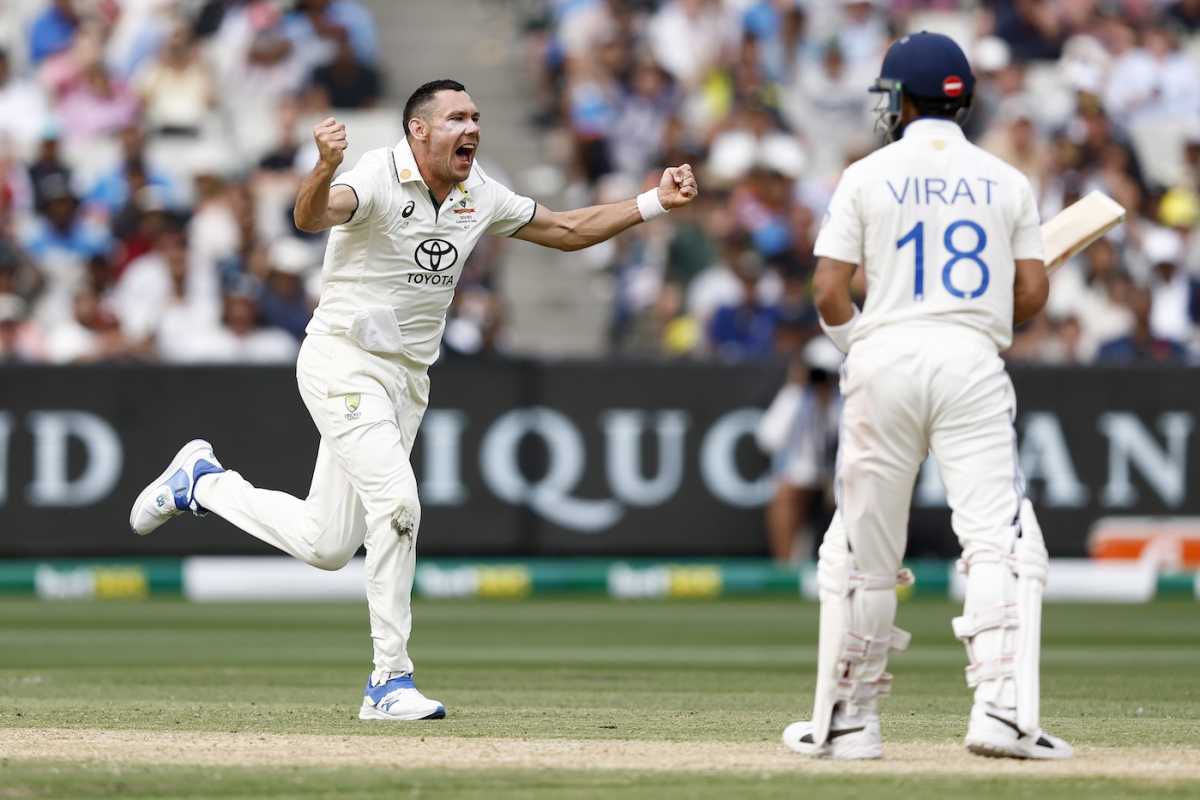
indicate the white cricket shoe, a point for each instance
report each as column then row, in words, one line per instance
column 850, row 738
column 398, row 699
column 993, row 732
column 172, row 493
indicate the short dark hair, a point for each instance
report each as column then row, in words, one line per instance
column 424, row 94
column 940, row 107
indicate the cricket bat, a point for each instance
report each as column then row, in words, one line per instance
column 1077, row 226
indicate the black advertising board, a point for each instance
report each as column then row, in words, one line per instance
column 570, row 458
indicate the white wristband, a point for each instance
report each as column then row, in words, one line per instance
column 840, row 334
column 649, row 206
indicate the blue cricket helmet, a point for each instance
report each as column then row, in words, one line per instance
column 929, row 67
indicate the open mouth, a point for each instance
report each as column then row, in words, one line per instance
column 465, row 153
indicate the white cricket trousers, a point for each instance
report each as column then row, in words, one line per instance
column 909, row 391
column 367, row 409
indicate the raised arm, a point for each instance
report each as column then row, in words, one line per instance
column 584, row 227
column 317, row 206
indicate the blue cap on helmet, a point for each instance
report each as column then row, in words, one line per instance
column 929, row 65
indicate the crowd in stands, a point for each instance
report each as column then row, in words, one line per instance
column 767, row 99
column 149, row 155
column 150, row 151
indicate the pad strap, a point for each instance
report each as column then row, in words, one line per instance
column 860, row 580
column 856, row 694
column 994, row 669
column 1000, row 618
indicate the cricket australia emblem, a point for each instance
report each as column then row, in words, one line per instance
column 353, row 401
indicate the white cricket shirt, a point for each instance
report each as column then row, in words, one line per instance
column 390, row 271
column 937, row 223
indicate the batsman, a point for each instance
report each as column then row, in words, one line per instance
column 949, row 238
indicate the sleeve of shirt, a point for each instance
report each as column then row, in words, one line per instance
column 511, row 211
column 841, row 234
column 1027, row 233
column 368, row 180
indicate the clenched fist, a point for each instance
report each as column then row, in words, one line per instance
column 677, row 187
column 330, row 136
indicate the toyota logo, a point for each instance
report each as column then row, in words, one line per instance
column 436, row 255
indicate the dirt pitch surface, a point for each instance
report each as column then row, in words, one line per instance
column 284, row 750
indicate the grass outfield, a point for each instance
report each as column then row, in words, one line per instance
column 549, row 698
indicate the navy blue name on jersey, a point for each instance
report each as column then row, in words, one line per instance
column 939, row 191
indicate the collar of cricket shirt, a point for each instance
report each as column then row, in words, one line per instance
column 932, row 126
column 404, row 168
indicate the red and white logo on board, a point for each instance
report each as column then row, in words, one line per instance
column 952, row 85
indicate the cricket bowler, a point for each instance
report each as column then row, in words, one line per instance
column 402, row 222
column 949, row 239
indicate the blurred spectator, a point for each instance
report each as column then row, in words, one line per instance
column 1047, row 340
column 161, row 279
column 1141, row 346
column 799, row 431
column 138, row 224
column 699, row 23
column 47, row 172
column 317, row 27
column 664, row 330
column 282, row 299
column 797, row 321
column 61, row 242
column 223, row 229
column 346, row 82
column 97, row 105
column 23, row 111
column 21, row 340
column 243, row 340
column 744, row 329
column 592, row 97
column 765, row 205
column 114, row 190
column 721, row 285
column 641, row 117
column 778, row 26
column 862, row 34
column 1155, row 81
column 692, row 247
column 474, row 324
column 1184, row 15
column 828, row 104
column 280, row 159
column 177, row 90
column 1015, row 139
column 53, row 30
column 16, row 194
column 18, row 276
column 1031, row 28
column 90, row 334
column 1171, row 290
column 637, row 284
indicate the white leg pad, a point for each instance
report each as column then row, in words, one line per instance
column 1001, row 623
column 857, row 612
column 1032, row 563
